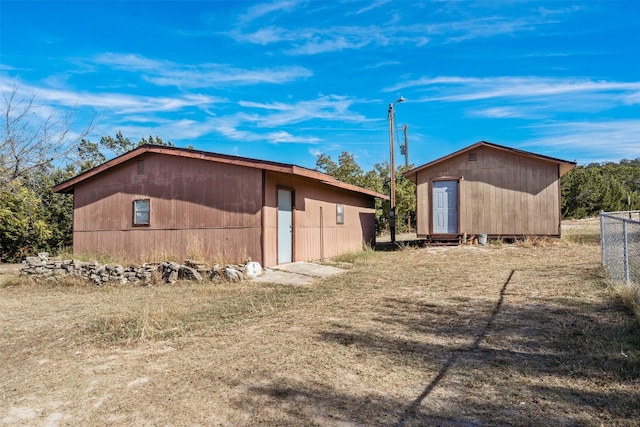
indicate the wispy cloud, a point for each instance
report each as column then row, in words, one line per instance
column 458, row 31
column 265, row 35
column 604, row 140
column 501, row 113
column 324, row 108
column 310, row 40
column 334, row 44
column 561, row 10
column 167, row 73
column 118, row 103
column 238, row 128
column 130, row 62
column 112, row 107
column 169, row 129
column 381, row 64
column 6, row 67
column 315, row 152
column 316, row 40
column 139, row 116
column 262, row 9
column 566, row 94
column 372, row 6
column 235, row 127
column 222, row 75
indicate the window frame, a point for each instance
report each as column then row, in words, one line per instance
column 340, row 213
column 138, row 210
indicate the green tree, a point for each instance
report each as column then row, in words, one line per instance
column 405, row 201
column 89, row 155
column 92, row 154
column 58, row 208
column 377, row 179
column 24, row 229
column 587, row 190
column 155, row 141
column 346, row 170
column 120, row 145
column 325, row 163
column 32, row 218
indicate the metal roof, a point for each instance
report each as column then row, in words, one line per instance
column 565, row 166
column 68, row 185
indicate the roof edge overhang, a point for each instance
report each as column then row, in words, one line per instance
column 68, row 185
column 565, row 166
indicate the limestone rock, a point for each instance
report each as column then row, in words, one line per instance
column 232, row 274
column 253, row 269
column 188, row 273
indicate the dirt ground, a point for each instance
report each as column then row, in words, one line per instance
column 506, row 334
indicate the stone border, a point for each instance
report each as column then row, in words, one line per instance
column 42, row 268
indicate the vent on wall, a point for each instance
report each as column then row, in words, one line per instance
column 140, row 167
column 473, row 157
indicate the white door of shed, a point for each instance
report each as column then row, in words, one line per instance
column 285, row 226
column 445, row 207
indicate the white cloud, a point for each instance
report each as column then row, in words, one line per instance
column 112, row 107
column 167, row 73
column 265, row 36
column 374, row 5
column 118, row 103
column 632, row 98
column 335, row 44
column 390, row 32
column 315, row 152
column 603, row 140
column 458, row 31
column 130, row 62
column 263, row 9
column 500, row 113
column 326, row 108
column 170, row 130
column 381, row 64
column 232, row 128
column 205, row 78
column 534, row 93
column 138, row 116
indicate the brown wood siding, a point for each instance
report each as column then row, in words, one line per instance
column 502, row 193
column 316, row 233
column 197, row 208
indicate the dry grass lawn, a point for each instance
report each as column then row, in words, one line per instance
column 521, row 334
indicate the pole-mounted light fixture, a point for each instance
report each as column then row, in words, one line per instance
column 392, row 210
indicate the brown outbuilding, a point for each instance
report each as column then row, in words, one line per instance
column 489, row 190
column 157, row 201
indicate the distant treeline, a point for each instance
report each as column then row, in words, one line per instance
column 609, row 187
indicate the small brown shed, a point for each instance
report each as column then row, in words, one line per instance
column 159, row 201
column 489, row 189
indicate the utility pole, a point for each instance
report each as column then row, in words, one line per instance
column 392, row 210
column 404, row 148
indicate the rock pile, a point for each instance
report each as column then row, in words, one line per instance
column 41, row 267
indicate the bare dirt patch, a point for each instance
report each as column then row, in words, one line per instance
column 523, row 334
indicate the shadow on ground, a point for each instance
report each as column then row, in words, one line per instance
column 399, row 244
column 502, row 364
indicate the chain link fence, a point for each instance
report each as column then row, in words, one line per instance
column 620, row 239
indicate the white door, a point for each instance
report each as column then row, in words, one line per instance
column 445, row 207
column 285, row 226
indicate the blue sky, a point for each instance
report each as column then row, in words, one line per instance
column 288, row 80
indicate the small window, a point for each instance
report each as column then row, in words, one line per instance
column 140, row 167
column 141, row 212
column 473, row 157
column 339, row 213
